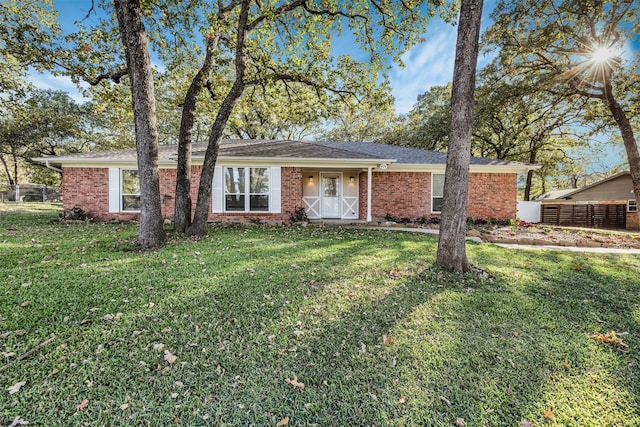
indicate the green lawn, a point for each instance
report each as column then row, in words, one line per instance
column 225, row 330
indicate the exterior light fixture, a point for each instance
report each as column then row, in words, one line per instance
column 310, row 178
column 352, row 179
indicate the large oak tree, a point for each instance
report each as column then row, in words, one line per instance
column 451, row 242
column 575, row 48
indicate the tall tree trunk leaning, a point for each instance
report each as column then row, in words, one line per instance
column 198, row 226
column 182, row 214
column 628, row 138
column 7, row 171
column 451, row 243
column 134, row 39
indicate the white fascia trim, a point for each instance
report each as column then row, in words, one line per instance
column 163, row 164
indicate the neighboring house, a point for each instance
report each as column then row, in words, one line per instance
column 553, row 195
column 269, row 180
column 609, row 203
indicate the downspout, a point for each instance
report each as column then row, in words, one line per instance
column 369, row 194
column 46, row 163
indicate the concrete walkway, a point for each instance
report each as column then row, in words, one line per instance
column 517, row 246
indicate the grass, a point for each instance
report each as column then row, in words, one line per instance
column 362, row 318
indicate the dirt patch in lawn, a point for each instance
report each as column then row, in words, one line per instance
column 540, row 235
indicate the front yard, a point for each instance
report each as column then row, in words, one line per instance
column 307, row 326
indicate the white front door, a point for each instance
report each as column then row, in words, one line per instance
column 331, row 194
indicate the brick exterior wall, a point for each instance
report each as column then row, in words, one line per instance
column 88, row 188
column 492, row 195
column 408, row 194
column 633, row 222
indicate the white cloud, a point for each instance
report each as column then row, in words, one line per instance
column 48, row 81
column 426, row 64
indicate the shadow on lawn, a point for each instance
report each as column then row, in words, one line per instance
column 241, row 318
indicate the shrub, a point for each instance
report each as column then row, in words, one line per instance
column 422, row 220
column 434, row 220
column 299, row 215
column 480, row 222
column 75, row 214
column 524, row 224
column 390, row 218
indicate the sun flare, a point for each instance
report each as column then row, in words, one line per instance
column 603, row 54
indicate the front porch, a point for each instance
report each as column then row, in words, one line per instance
column 334, row 194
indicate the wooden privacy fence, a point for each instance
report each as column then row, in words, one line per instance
column 588, row 215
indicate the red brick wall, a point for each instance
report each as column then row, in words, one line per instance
column 88, row 188
column 492, row 195
column 632, row 221
column 408, row 194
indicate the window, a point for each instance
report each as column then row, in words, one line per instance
column 632, row 206
column 246, row 189
column 437, row 192
column 130, row 190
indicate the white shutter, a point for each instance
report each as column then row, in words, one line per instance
column 275, row 198
column 114, row 190
column 217, row 190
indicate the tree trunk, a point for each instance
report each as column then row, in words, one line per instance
column 199, row 225
column 451, row 243
column 527, row 187
column 6, row 170
column 16, row 177
column 182, row 213
column 134, row 39
column 628, row 138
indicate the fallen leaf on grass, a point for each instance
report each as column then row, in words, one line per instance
column 386, row 339
column 283, row 422
column 158, row 346
column 525, row 423
column 124, row 406
column 294, row 382
column 83, row 404
column 549, row 415
column 169, row 357
column 611, row 339
column 16, row 387
column 18, row 421
column 445, row 400
column 7, row 355
column 577, row 267
column 460, row 422
column 403, row 399
column 25, row 304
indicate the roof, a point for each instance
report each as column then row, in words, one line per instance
column 554, row 194
column 595, row 184
column 407, row 155
column 303, row 153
